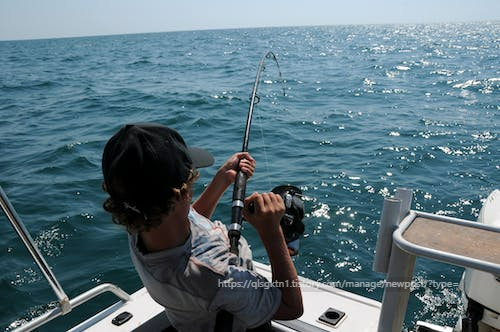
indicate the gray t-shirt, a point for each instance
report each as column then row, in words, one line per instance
column 201, row 277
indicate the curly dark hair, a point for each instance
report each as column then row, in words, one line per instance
column 136, row 220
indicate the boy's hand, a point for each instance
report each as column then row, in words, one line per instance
column 267, row 212
column 239, row 161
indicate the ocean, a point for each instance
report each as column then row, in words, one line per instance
column 366, row 109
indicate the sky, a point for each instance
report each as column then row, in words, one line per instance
column 35, row 19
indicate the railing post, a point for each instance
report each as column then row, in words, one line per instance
column 399, row 276
column 65, row 305
column 23, row 233
column 389, row 220
column 405, row 195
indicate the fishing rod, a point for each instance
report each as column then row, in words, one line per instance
column 234, row 231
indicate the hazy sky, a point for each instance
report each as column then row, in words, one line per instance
column 30, row 19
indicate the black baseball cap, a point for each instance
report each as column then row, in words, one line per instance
column 143, row 162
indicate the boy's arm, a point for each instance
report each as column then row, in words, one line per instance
column 225, row 176
column 269, row 208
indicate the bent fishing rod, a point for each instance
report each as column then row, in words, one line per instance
column 234, row 231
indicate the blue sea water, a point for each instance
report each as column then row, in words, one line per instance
column 367, row 109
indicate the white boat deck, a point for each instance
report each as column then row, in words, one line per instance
column 361, row 314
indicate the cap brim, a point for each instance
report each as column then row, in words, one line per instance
column 200, row 157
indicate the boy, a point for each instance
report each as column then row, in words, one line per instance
column 181, row 256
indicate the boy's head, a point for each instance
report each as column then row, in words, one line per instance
column 144, row 165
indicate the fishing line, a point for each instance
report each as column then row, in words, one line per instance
column 264, row 149
column 241, row 178
column 260, row 122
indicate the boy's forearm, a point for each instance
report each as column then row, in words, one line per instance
column 208, row 200
column 284, row 274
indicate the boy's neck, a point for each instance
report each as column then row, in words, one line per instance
column 173, row 231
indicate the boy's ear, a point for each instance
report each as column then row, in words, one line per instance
column 103, row 186
column 186, row 195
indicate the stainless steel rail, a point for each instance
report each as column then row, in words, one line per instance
column 65, row 304
column 73, row 303
column 18, row 226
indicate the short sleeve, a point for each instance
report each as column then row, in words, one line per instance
column 248, row 296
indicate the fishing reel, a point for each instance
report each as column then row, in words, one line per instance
column 291, row 222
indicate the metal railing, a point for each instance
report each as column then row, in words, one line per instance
column 395, row 255
column 65, row 304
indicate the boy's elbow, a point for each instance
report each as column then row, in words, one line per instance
column 297, row 312
column 289, row 312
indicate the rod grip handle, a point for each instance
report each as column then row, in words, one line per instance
column 240, row 184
